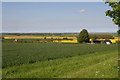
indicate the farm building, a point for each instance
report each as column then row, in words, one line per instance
column 108, row 42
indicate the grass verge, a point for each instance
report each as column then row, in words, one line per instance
column 97, row 65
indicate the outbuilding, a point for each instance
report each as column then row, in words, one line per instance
column 108, row 42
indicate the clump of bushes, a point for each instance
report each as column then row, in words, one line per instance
column 95, row 36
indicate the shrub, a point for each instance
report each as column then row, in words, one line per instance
column 83, row 36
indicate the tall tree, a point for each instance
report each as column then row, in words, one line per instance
column 83, row 36
column 114, row 13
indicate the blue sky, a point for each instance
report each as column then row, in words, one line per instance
column 0, row 17
column 56, row 17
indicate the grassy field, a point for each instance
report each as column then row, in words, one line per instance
column 49, row 60
column 21, row 53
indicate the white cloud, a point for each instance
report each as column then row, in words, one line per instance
column 82, row 10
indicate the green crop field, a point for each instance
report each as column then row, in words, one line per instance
column 54, row 60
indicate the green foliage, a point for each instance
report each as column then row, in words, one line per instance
column 115, row 12
column 118, row 31
column 28, row 53
column 83, row 36
column 95, row 36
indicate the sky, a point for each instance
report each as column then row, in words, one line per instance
column 40, row 17
column 0, row 17
column 52, row 0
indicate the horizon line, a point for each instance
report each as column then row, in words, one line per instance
column 57, row 32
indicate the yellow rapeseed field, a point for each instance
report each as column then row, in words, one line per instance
column 63, row 39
